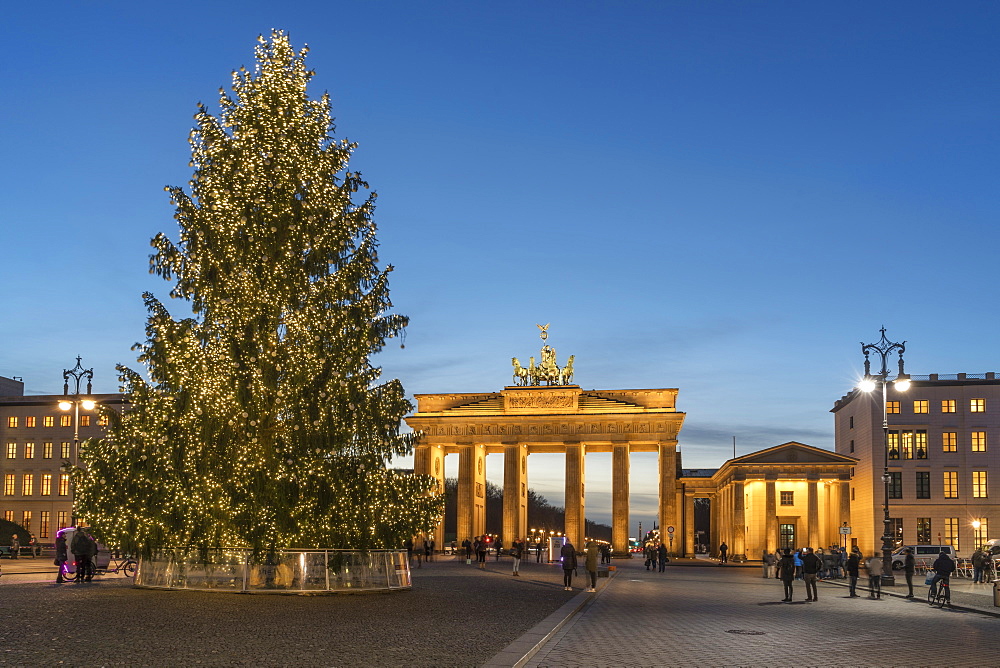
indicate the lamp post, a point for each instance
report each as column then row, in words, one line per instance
column 883, row 348
column 78, row 373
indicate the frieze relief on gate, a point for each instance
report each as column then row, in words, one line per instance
column 540, row 400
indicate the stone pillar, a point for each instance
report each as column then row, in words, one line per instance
column 668, row 484
column 471, row 500
column 813, row 514
column 689, row 525
column 620, row 464
column 429, row 460
column 771, row 509
column 844, row 514
column 715, row 527
column 739, row 546
column 575, row 523
column 515, row 492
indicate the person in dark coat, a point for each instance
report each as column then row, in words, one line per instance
column 786, row 573
column 467, row 544
column 661, row 553
column 62, row 555
column 723, row 552
column 481, row 548
column 909, row 565
column 943, row 568
column 84, row 549
column 853, row 564
column 811, row 566
column 568, row 556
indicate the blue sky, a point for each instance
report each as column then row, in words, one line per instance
column 723, row 197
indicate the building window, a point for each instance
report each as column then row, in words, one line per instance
column 977, row 405
column 63, row 484
column 949, row 441
column 29, row 421
column 48, row 421
column 62, row 519
column 102, row 420
column 979, row 441
column 47, row 450
column 951, row 532
column 26, row 519
column 852, row 445
column 895, row 485
column 923, row 484
column 951, row 484
column 46, row 484
column 980, row 532
column 979, row 484
column 947, row 405
column 11, row 450
column 852, row 494
column 852, row 422
column 65, row 420
column 8, row 515
column 906, row 441
column 896, row 530
column 892, row 442
column 924, row 530
column 892, row 407
column 46, row 521
column 920, row 443
column 921, row 406
column 786, row 536
column 29, row 450
column 788, row 498
column 28, row 485
column 12, row 422
column 84, row 420
column 64, row 450
column 8, row 484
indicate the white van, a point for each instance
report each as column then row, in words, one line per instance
column 924, row 554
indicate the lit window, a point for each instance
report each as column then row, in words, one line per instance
column 896, row 530
column 788, row 498
column 46, row 521
column 102, row 420
column 48, row 421
column 892, row 407
column 924, row 530
column 907, row 444
column 47, row 450
column 979, row 441
column 920, row 443
column 64, row 450
column 947, row 405
column 28, row 484
column 892, row 443
column 923, row 484
column 65, row 420
column 895, row 485
column 977, row 405
column 980, row 531
column 12, row 422
column 63, row 518
column 46, row 484
column 949, row 441
column 29, row 421
column 8, row 484
column 979, row 484
column 84, row 420
column 26, row 519
column 920, row 406
column 951, row 484
column 29, row 450
column 11, row 450
column 951, row 532
column 8, row 515
column 63, row 484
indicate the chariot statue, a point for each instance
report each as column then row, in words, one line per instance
column 547, row 371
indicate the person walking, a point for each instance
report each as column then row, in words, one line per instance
column 499, row 547
column 568, row 556
column 467, row 545
column 650, row 553
column 853, row 563
column 62, row 556
column 661, row 553
column 875, row 577
column 83, row 548
column 515, row 552
column 909, row 565
column 481, row 547
column 811, row 565
column 723, row 552
column 786, row 573
column 593, row 549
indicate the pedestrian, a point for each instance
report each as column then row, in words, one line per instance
column 978, row 560
column 661, row 553
column 811, row 564
column 909, row 565
column 797, row 558
column 605, row 553
column 408, row 544
column 786, row 573
column 538, row 551
column 591, row 563
column 767, row 563
column 481, row 548
column 32, row 546
column 430, row 554
column 831, row 564
column 568, row 556
column 467, row 544
column 15, row 547
column 515, row 552
column 499, row 547
column 853, row 563
column 62, row 556
column 83, row 548
column 723, row 552
column 875, row 577
column 650, row 554
column 427, row 550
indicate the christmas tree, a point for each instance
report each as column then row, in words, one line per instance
column 263, row 423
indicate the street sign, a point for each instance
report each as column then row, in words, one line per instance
column 845, row 530
column 670, row 529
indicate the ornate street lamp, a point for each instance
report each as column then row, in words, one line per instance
column 78, row 373
column 883, row 348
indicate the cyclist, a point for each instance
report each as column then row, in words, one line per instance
column 943, row 568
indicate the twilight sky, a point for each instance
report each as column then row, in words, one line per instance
column 722, row 197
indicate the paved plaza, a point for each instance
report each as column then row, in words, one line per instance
column 456, row 615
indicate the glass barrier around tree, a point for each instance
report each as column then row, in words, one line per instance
column 279, row 572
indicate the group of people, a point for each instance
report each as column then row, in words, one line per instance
column 832, row 562
column 656, row 556
column 84, row 548
column 569, row 557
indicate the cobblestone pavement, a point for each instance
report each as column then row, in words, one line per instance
column 719, row 616
column 455, row 615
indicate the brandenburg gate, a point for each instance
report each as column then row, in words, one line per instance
column 543, row 412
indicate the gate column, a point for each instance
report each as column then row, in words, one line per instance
column 515, row 492
column 471, row 492
column 429, row 460
column 620, row 465
column 575, row 526
column 668, row 484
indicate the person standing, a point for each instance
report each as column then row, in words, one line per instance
column 875, row 577
column 538, row 551
column 786, row 573
column 811, row 565
column 467, row 544
column 15, row 547
column 591, row 563
column 430, row 553
column 767, row 563
column 84, row 548
column 481, row 548
column 568, row 556
column 853, row 563
column 661, row 554
column 978, row 559
column 723, row 552
column 909, row 565
column 499, row 547
column 408, row 544
column 515, row 552
column 62, row 555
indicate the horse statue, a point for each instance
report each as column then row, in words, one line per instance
column 520, row 373
column 548, row 370
column 567, row 371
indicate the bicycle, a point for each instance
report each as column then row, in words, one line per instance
column 939, row 595
column 125, row 564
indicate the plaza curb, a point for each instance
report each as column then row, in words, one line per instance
column 519, row 652
column 954, row 606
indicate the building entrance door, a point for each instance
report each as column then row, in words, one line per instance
column 786, row 536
